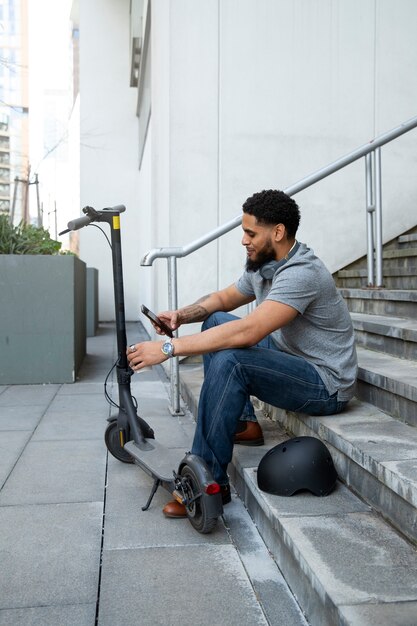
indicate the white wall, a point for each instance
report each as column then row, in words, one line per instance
column 108, row 136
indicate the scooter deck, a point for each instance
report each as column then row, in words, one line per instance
column 157, row 461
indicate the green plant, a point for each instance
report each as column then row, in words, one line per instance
column 25, row 239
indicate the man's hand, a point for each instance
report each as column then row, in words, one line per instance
column 145, row 354
column 171, row 319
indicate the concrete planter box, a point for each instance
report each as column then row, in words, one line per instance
column 42, row 318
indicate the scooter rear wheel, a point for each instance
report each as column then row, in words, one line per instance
column 197, row 510
column 112, row 440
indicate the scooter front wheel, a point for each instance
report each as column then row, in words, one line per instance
column 197, row 510
column 112, row 440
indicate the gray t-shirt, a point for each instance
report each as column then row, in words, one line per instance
column 322, row 333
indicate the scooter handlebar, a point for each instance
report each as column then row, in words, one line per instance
column 79, row 222
column 119, row 208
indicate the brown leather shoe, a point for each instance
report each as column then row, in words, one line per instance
column 249, row 434
column 177, row 510
column 174, row 509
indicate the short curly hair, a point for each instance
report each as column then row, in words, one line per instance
column 274, row 207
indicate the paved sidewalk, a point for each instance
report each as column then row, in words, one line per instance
column 75, row 547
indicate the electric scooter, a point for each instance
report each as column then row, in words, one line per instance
column 128, row 437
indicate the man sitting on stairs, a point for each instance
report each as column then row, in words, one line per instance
column 295, row 350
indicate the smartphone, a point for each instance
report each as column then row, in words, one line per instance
column 155, row 319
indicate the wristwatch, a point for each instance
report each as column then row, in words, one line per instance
column 168, row 348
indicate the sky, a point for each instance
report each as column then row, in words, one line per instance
column 49, row 100
column 49, row 57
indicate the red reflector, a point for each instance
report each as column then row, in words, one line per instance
column 212, row 488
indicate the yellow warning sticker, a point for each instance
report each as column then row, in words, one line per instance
column 116, row 222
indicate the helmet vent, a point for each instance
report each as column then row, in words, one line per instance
column 284, row 449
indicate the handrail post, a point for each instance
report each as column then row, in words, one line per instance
column 378, row 218
column 370, row 209
column 175, row 406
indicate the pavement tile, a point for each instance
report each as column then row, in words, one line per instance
column 66, row 615
column 57, row 471
column 12, row 444
column 92, row 374
column 79, row 402
column 149, row 389
column 23, row 395
column 71, row 425
column 20, row 417
column 169, row 432
column 49, row 554
column 188, row 585
column 81, row 388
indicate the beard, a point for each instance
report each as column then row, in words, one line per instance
column 264, row 256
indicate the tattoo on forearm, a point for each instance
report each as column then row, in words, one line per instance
column 194, row 312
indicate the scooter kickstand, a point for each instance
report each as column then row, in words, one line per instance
column 155, row 486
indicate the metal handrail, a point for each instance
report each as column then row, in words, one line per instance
column 372, row 154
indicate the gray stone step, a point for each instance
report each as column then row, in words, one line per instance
column 342, row 561
column 391, row 302
column 388, row 383
column 406, row 239
column 398, row 252
column 375, row 455
column 393, row 278
column 390, row 335
column 393, row 255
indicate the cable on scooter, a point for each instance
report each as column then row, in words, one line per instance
column 108, row 396
column 104, row 233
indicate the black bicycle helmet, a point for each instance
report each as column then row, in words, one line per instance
column 297, row 464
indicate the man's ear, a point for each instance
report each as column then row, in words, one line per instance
column 279, row 232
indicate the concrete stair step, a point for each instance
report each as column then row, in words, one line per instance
column 375, row 455
column 400, row 251
column 406, row 239
column 394, row 278
column 342, row 561
column 390, row 335
column 388, row 383
column 393, row 255
column 391, row 302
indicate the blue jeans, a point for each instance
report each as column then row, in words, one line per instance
column 232, row 376
column 248, row 413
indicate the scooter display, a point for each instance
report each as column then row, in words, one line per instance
column 128, row 437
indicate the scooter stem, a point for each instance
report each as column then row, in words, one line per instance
column 122, row 368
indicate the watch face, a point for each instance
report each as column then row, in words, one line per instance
column 168, row 348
